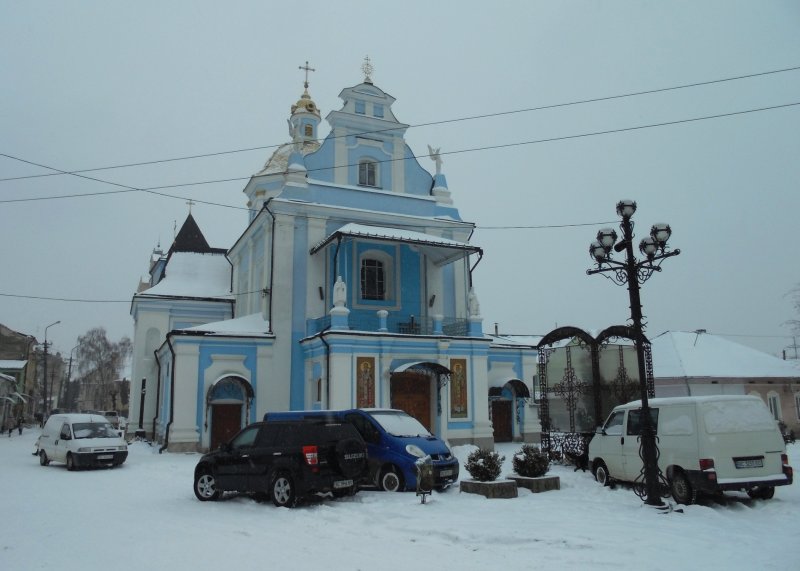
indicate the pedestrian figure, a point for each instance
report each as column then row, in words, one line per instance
column 19, row 425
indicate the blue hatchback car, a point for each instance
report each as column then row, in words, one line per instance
column 395, row 441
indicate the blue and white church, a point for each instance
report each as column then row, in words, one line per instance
column 349, row 287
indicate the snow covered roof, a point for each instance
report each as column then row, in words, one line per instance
column 690, row 354
column 12, row 364
column 278, row 162
column 441, row 251
column 190, row 274
column 246, row 326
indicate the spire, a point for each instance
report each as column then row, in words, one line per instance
column 190, row 238
column 305, row 103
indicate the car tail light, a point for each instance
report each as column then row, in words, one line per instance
column 706, row 463
column 785, row 459
column 310, row 453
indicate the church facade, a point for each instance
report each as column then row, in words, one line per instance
column 351, row 286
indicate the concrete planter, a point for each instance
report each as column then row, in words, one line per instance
column 536, row 485
column 491, row 490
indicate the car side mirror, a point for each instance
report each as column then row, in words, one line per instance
column 599, row 430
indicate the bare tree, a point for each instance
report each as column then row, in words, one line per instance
column 100, row 362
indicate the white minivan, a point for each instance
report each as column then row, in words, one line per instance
column 706, row 444
column 81, row 440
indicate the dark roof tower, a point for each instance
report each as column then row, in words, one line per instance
column 190, row 239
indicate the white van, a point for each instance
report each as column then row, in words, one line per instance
column 706, row 444
column 81, row 440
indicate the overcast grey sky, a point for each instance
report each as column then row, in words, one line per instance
column 99, row 84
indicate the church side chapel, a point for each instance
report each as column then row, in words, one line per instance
column 350, row 286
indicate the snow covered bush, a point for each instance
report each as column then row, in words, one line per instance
column 531, row 462
column 484, row 465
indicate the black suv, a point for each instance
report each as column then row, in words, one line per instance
column 286, row 460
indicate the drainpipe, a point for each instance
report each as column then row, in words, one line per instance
column 336, row 258
column 271, row 261
column 158, row 390
column 327, row 369
column 171, row 397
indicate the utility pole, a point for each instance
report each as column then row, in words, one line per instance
column 44, row 377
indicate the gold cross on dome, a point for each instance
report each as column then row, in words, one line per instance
column 367, row 68
column 306, row 69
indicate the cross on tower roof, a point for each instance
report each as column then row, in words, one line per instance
column 306, row 69
column 367, row 68
column 191, row 203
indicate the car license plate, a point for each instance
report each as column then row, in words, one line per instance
column 105, row 457
column 445, row 473
column 750, row 463
column 342, row 484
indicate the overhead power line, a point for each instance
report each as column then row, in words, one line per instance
column 426, row 124
column 154, row 189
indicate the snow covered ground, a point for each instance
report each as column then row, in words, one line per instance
column 144, row 515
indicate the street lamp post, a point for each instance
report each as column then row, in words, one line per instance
column 44, row 388
column 633, row 272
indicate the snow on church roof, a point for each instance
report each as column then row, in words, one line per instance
column 691, row 354
column 190, row 274
column 245, row 326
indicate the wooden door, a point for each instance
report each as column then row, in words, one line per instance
column 226, row 421
column 411, row 392
column 501, row 420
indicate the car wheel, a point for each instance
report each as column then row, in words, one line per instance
column 205, row 486
column 681, row 489
column 765, row 493
column 282, row 491
column 70, row 462
column 601, row 474
column 43, row 459
column 390, row 480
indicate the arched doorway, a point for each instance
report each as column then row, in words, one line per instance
column 227, row 408
column 411, row 389
column 506, row 402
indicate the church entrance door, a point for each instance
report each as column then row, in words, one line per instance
column 411, row 392
column 226, row 421
column 501, row 420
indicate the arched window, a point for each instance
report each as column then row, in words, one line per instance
column 309, row 130
column 373, row 279
column 367, row 173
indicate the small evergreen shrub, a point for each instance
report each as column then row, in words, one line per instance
column 531, row 462
column 484, row 465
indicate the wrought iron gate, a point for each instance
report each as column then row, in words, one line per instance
column 581, row 378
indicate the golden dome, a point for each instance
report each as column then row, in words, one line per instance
column 305, row 103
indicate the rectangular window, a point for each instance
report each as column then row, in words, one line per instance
column 774, row 406
column 373, row 280
column 635, row 421
column 367, row 173
column 377, row 110
column 361, row 107
column 797, row 404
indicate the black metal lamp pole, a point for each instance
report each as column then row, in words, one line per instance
column 633, row 272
